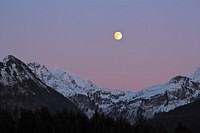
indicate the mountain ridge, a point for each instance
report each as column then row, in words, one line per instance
column 19, row 87
column 18, row 79
column 178, row 91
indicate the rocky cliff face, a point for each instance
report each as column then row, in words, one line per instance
column 86, row 95
column 30, row 86
column 89, row 98
column 19, row 87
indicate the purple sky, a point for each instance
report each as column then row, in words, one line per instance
column 161, row 38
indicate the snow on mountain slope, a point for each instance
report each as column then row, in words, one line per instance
column 86, row 95
column 64, row 82
column 89, row 98
column 19, row 87
column 163, row 98
column 13, row 70
column 195, row 76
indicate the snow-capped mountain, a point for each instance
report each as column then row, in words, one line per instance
column 85, row 94
column 89, row 98
column 19, row 87
column 30, row 86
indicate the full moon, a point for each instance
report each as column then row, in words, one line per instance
column 118, row 35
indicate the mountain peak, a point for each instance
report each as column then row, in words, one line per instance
column 197, row 71
column 178, row 79
column 196, row 75
column 36, row 65
column 179, row 91
column 11, row 61
column 9, row 58
column 15, row 71
column 19, row 87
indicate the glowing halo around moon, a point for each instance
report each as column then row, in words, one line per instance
column 118, row 35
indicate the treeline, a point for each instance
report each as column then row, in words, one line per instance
column 42, row 121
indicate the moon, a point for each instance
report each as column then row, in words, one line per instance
column 118, row 35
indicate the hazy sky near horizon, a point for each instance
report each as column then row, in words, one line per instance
column 161, row 38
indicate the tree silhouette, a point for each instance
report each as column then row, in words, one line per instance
column 42, row 121
column 182, row 129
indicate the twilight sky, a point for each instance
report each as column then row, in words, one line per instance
column 161, row 38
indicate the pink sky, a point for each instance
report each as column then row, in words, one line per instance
column 160, row 39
